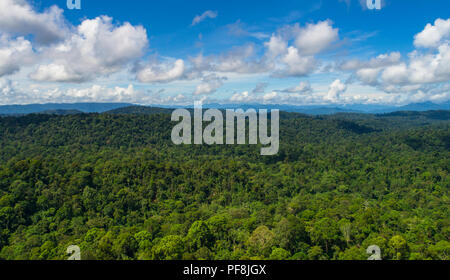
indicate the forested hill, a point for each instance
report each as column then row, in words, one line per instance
column 138, row 110
column 115, row 185
column 309, row 110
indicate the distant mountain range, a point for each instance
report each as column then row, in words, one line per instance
column 334, row 109
column 39, row 108
column 60, row 112
column 126, row 108
column 140, row 110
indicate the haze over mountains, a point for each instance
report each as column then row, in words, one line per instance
column 129, row 108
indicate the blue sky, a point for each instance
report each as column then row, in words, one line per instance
column 175, row 52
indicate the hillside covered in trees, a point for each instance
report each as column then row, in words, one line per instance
column 116, row 186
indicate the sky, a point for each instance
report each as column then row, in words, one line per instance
column 175, row 52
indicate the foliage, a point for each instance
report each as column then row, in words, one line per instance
column 115, row 185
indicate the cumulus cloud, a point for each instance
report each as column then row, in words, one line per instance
column 202, row 17
column 298, row 65
column 280, row 59
column 274, row 97
column 336, row 89
column 303, row 88
column 56, row 73
column 8, row 94
column 10, row 91
column 14, row 53
column 109, row 94
column 383, row 60
column 433, row 35
column 276, row 46
column 161, row 73
column 242, row 97
column 422, row 68
column 210, row 84
column 419, row 74
column 260, row 87
column 291, row 50
column 19, row 17
column 238, row 60
column 315, row 38
column 369, row 75
column 368, row 71
column 53, row 50
column 98, row 47
column 396, row 74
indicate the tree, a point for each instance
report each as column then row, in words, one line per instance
column 440, row 250
column 290, row 233
column 353, row 254
column 125, row 246
column 261, row 241
column 279, row 254
column 170, row 247
column 219, row 225
column 324, row 231
column 399, row 248
column 315, row 253
column 105, row 247
column 199, row 236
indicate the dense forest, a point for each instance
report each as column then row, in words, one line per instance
column 116, row 186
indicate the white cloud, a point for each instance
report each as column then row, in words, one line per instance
column 49, row 49
column 422, row 68
column 368, row 75
column 303, row 87
column 396, row 74
column 280, row 59
column 315, row 38
column 55, row 73
column 260, row 87
column 433, row 35
column 106, row 94
column 368, row 71
column 274, row 97
column 298, row 65
column 11, row 93
column 276, row 46
column 383, row 60
column 336, row 89
column 414, row 78
column 238, row 60
column 8, row 94
column 241, row 97
column 14, row 53
column 96, row 48
column 210, row 84
column 202, row 17
column 248, row 97
column 162, row 73
column 18, row 17
column 299, row 59
column 271, row 96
